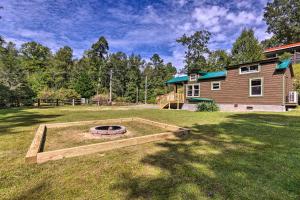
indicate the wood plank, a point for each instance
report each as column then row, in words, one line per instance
column 36, row 145
column 105, row 146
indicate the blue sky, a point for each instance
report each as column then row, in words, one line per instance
column 142, row 27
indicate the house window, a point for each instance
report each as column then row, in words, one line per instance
column 249, row 69
column 256, row 87
column 215, row 85
column 193, row 90
column 193, row 77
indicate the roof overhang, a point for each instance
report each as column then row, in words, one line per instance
column 282, row 47
column 264, row 61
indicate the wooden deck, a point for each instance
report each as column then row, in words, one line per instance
column 171, row 100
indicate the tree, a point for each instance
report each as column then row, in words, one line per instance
column 35, row 57
column 283, row 20
column 11, row 74
column 197, row 49
column 83, row 85
column 98, row 54
column 246, row 48
column 271, row 42
column 62, row 64
column 133, row 87
column 218, row 60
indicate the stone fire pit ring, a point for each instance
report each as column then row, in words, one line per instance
column 108, row 130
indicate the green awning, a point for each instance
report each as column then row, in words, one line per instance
column 284, row 64
column 210, row 75
column 199, row 99
column 178, row 79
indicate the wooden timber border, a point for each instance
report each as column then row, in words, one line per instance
column 35, row 153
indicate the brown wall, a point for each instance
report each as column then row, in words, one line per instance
column 235, row 87
column 288, row 82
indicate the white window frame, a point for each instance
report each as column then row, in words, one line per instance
column 249, row 72
column 262, row 87
column 194, row 77
column 193, row 90
column 212, row 85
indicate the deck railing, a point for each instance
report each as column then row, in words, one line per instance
column 171, row 97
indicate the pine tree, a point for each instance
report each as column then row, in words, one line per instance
column 246, row 48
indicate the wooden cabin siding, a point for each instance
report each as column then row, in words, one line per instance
column 235, row 87
column 288, row 82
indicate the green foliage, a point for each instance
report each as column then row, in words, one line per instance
column 283, row 20
column 271, row 42
column 23, row 95
column 48, row 75
column 35, row 57
column 246, row 48
column 65, row 94
column 207, row 107
column 83, row 85
column 296, row 68
column 5, row 95
column 218, row 60
column 285, row 55
column 46, row 93
column 197, row 48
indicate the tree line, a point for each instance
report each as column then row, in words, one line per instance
column 33, row 71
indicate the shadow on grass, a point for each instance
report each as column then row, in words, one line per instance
column 249, row 156
column 12, row 118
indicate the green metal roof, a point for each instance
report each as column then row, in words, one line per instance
column 178, row 79
column 209, row 75
column 284, row 64
column 198, row 99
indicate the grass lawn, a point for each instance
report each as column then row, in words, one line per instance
column 59, row 138
column 226, row 156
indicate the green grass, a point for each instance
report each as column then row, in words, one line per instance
column 58, row 138
column 226, row 156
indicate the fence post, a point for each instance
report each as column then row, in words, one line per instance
column 39, row 102
column 73, row 102
column 56, row 102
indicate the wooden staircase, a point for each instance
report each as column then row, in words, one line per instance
column 171, row 100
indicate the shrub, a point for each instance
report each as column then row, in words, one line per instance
column 46, row 93
column 207, row 107
column 5, row 95
column 64, row 94
column 101, row 98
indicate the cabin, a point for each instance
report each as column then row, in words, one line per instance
column 293, row 49
column 265, row 85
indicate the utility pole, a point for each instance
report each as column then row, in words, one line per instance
column 110, row 86
column 146, row 87
column 137, row 94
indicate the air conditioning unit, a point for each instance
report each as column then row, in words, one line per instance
column 293, row 97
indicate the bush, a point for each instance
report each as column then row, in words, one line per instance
column 46, row 93
column 207, row 107
column 5, row 95
column 101, row 98
column 65, row 94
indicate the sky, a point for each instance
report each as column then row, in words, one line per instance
column 141, row 27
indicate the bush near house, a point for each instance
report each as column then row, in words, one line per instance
column 207, row 107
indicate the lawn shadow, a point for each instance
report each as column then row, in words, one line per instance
column 248, row 156
column 12, row 118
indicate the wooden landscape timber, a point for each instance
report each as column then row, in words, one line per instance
column 35, row 153
column 36, row 145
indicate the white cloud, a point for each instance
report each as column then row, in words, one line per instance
column 209, row 16
column 244, row 17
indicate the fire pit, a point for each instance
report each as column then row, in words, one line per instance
column 108, row 130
